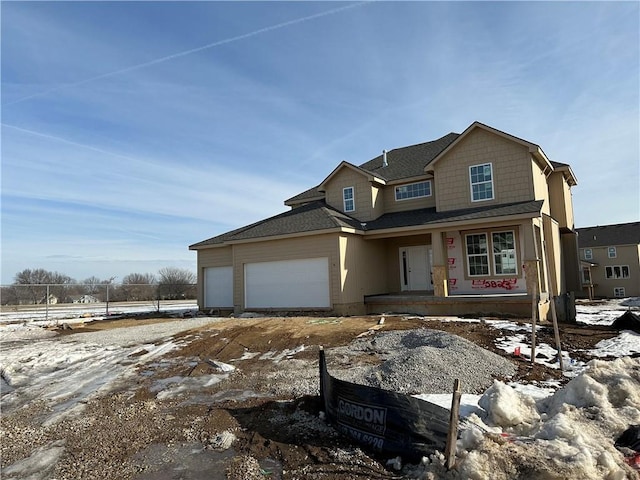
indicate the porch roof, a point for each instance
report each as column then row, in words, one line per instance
column 319, row 217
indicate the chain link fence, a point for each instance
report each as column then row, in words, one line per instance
column 31, row 301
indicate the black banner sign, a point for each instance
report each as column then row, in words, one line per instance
column 382, row 420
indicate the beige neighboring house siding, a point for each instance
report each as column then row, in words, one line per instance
column 628, row 255
column 392, row 205
column 561, row 202
column 364, row 196
column 511, row 164
column 317, row 246
column 211, row 257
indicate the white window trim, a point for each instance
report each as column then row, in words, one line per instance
column 493, row 190
column 490, row 254
column 615, row 252
column 353, row 199
column 467, row 255
column 619, row 292
column 590, row 256
column 413, row 198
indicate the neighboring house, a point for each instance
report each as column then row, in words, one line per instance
column 457, row 225
column 610, row 260
column 86, row 298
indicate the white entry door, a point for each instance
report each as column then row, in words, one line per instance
column 415, row 268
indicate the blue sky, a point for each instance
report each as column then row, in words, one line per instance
column 131, row 130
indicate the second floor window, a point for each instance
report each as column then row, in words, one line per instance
column 347, row 197
column 617, row 271
column 481, row 177
column 588, row 254
column 611, row 251
column 413, row 190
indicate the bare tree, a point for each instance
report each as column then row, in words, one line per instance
column 92, row 285
column 29, row 280
column 176, row 283
column 138, row 286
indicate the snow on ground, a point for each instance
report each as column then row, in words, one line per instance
column 564, row 433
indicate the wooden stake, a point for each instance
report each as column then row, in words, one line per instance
column 534, row 316
column 554, row 315
column 452, row 435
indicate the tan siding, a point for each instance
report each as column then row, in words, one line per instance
column 362, row 192
column 625, row 255
column 561, row 205
column 361, row 266
column 511, row 163
column 541, row 189
column 391, row 205
column 287, row 249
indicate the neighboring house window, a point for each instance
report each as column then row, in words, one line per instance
column 586, row 275
column 477, row 255
column 611, row 251
column 481, row 177
column 503, row 247
column 617, row 271
column 347, row 196
column 588, row 254
column 618, row 292
column 504, row 253
column 413, row 190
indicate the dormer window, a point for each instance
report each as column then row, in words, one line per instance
column 413, row 190
column 348, row 199
column 481, row 177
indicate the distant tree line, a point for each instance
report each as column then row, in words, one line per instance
column 30, row 287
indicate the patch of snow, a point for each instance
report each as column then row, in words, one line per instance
column 625, row 344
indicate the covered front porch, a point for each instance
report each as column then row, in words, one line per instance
column 517, row 305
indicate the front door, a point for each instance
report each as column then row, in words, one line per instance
column 415, row 268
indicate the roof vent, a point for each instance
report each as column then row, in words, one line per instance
column 384, row 159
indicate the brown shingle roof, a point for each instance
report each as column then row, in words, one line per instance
column 318, row 216
column 609, row 235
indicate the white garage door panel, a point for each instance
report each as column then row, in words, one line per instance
column 218, row 287
column 287, row 284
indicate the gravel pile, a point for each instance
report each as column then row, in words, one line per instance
column 420, row 361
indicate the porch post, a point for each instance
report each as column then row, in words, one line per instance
column 440, row 268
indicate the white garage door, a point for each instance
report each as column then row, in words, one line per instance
column 218, row 287
column 287, row 284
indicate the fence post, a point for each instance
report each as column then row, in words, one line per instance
column 107, row 300
column 452, row 435
column 46, row 308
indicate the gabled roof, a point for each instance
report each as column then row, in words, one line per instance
column 402, row 163
column 609, row 235
column 318, row 216
column 315, row 216
column 533, row 148
column 370, row 175
column 566, row 170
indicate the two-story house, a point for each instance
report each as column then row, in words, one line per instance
column 610, row 257
column 478, row 222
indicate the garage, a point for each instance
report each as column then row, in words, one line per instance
column 218, row 287
column 288, row 284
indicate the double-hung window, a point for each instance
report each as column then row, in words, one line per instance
column 504, row 253
column 413, row 190
column 481, row 178
column 588, row 254
column 500, row 247
column 348, row 199
column 611, row 252
column 477, row 254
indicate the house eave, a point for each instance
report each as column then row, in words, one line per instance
column 403, row 231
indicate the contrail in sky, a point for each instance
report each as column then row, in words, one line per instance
column 189, row 52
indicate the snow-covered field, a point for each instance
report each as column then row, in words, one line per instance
column 570, row 427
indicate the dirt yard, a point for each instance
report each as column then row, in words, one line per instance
column 247, row 425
